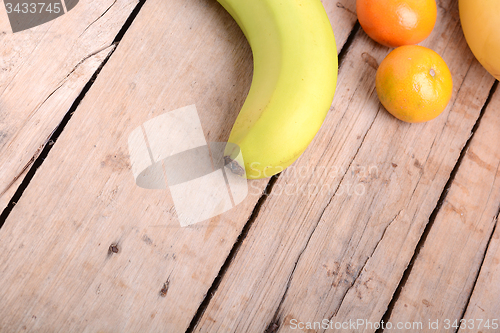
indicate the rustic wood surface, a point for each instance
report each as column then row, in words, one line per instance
column 483, row 308
column 86, row 250
column 43, row 70
column 316, row 256
column 445, row 270
column 88, row 170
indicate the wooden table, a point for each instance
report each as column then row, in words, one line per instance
column 404, row 234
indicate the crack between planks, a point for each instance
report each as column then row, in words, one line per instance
column 36, row 109
column 42, row 152
column 432, row 217
column 232, row 254
column 347, row 45
column 128, row 22
column 59, row 85
column 42, row 146
column 28, row 164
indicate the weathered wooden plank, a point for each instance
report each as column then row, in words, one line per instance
column 43, row 70
column 446, row 268
column 334, row 238
column 483, row 310
column 56, row 248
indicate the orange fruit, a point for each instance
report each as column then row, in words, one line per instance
column 397, row 22
column 414, row 83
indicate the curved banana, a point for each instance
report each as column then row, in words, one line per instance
column 294, row 80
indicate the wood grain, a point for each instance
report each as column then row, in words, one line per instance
column 445, row 270
column 43, row 70
column 483, row 304
column 483, row 308
column 85, row 249
column 337, row 232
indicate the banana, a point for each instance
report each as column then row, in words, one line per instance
column 293, row 83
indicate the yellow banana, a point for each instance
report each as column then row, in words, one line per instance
column 294, row 80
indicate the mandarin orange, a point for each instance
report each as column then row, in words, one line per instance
column 397, row 22
column 414, row 83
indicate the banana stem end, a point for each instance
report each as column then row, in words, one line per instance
column 234, row 166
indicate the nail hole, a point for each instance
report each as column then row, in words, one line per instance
column 113, row 248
